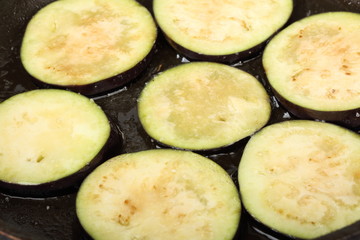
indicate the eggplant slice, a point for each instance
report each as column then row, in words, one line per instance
column 302, row 178
column 50, row 139
column 314, row 67
column 203, row 106
column 159, row 194
column 88, row 46
column 220, row 31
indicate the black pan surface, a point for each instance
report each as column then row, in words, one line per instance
column 55, row 218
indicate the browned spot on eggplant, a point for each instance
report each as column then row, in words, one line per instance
column 40, row 158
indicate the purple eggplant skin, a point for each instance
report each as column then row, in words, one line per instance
column 70, row 183
column 230, row 58
column 206, row 152
column 226, row 59
column 105, row 85
column 349, row 118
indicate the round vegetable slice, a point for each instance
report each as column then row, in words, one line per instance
column 159, row 194
column 50, row 139
column 221, row 31
column 301, row 177
column 88, row 46
column 203, row 106
column 314, row 67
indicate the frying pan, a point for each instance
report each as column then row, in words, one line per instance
column 55, row 218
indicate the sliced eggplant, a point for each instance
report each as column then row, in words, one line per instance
column 88, row 46
column 302, row 178
column 50, row 139
column 159, row 194
column 203, row 106
column 314, row 67
column 220, row 31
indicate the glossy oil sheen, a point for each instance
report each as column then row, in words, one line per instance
column 55, row 218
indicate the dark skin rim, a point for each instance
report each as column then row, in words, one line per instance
column 346, row 118
column 71, row 182
column 105, row 85
column 229, row 58
column 246, row 227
